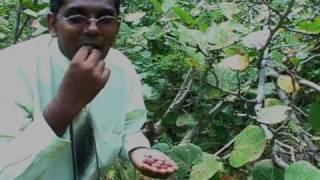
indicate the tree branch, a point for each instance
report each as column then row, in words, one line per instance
column 185, row 88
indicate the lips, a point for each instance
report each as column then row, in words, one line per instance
column 94, row 45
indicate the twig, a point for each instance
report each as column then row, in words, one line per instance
column 225, row 146
column 264, row 55
column 185, row 88
column 290, row 148
column 195, row 130
column 301, row 32
column 310, row 58
column 309, row 84
column 277, row 159
column 261, row 85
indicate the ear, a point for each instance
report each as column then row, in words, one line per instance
column 52, row 24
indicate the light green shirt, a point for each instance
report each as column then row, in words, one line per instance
column 30, row 74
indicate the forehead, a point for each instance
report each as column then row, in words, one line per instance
column 89, row 4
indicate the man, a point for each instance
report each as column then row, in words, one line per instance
column 70, row 103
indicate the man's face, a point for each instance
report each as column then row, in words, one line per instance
column 72, row 34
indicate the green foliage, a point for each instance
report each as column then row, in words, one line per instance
column 314, row 115
column 205, row 170
column 302, row 171
column 249, row 145
column 266, row 170
column 273, row 114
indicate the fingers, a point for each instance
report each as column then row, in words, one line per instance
column 105, row 74
column 158, row 165
column 82, row 54
column 100, row 67
column 159, row 157
column 94, row 58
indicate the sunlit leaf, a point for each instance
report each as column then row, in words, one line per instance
column 272, row 102
column 302, row 170
column 134, row 17
column 311, row 26
column 31, row 13
column 184, row 15
column 229, row 9
column 220, row 36
column 273, row 114
column 236, row 62
column 168, row 4
column 256, row 39
column 286, row 83
column 249, row 146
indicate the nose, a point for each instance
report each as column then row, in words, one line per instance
column 92, row 28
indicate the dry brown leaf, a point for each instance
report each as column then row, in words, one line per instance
column 236, row 62
column 285, row 82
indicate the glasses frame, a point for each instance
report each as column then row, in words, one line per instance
column 88, row 20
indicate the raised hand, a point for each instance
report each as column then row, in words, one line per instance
column 153, row 163
column 84, row 79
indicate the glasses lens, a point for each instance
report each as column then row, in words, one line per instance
column 107, row 21
column 77, row 19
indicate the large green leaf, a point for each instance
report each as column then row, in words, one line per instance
column 302, row 171
column 273, row 114
column 266, row 170
column 311, row 26
column 206, row 169
column 314, row 115
column 186, row 156
column 249, row 146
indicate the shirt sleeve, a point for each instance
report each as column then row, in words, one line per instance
column 26, row 140
column 135, row 118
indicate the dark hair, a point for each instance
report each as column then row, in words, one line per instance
column 55, row 5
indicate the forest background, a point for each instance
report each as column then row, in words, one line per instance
column 231, row 87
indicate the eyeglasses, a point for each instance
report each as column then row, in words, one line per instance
column 103, row 22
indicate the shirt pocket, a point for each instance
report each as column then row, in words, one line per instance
column 109, row 147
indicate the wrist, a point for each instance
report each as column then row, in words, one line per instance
column 137, row 148
column 59, row 115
